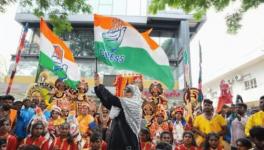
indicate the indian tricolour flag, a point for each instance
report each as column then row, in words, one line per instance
column 57, row 57
column 119, row 44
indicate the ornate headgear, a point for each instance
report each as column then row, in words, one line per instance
column 177, row 109
column 147, row 104
column 56, row 108
column 161, row 111
column 83, row 85
column 41, row 91
column 155, row 87
column 38, row 118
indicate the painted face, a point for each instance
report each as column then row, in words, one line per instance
column 38, row 130
column 148, row 110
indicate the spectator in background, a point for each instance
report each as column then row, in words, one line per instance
column 238, row 124
column 208, row 122
column 46, row 112
column 243, row 144
column 23, row 118
column 18, row 105
column 257, row 137
column 257, row 118
column 179, row 124
column 7, row 103
column 229, row 114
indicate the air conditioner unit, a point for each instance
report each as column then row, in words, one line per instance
column 239, row 77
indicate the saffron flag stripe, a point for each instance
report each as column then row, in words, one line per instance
column 158, row 54
column 57, row 57
column 119, row 44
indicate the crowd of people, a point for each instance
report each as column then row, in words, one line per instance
column 71, row 120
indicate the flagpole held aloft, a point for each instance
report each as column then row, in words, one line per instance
column 21, row 46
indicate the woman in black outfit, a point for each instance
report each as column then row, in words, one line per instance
column 126, row 116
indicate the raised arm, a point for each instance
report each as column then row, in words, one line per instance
column 106, row 97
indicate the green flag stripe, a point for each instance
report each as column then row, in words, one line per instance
column 136, row 59
column 48, row 63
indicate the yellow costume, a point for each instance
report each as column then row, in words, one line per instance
column 84, row 123
column 206, row 126
column 255, row 120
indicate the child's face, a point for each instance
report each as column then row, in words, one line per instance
column 213, row 142
column 187, row 139
column 6, row 126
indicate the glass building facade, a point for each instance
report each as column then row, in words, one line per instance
column 171, row 30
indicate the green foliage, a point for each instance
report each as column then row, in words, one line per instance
column 4, row 3
column 57, row 11
column 200, row 7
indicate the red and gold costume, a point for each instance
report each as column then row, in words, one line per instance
column 156, row 129
column 156, row 92
column 41, row 142
column 62, row 144
column 149, row 109
column 83, row 98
